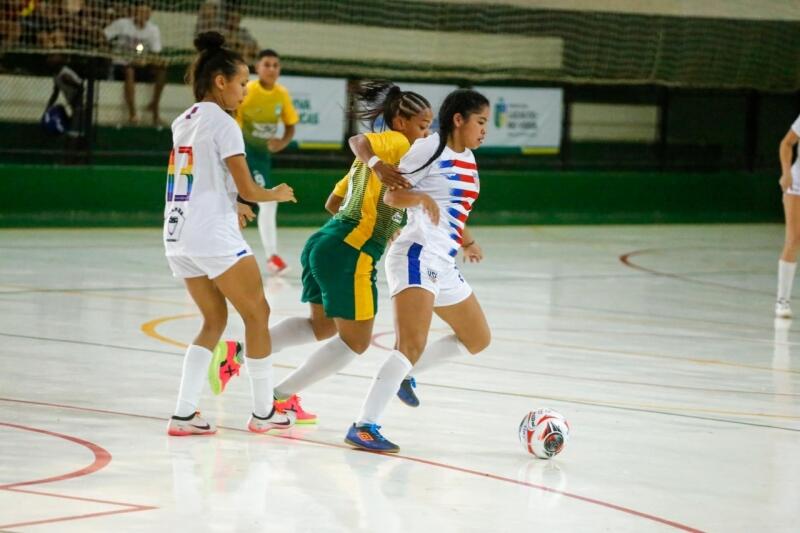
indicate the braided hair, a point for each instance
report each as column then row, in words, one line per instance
column 464, row 102
column 212, row 59
column 380, row 98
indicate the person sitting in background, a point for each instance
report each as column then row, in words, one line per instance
column 40, row 26
column 240, row 39
column 136, row 41
column 68, row 82
column 10, row 27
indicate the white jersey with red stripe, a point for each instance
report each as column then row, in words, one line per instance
column 452, row 181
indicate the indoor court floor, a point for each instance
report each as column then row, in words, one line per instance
column 656, row 342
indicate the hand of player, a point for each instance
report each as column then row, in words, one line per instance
column 473, row 253
column 390, row 176
column 785, row 182
column 431, row 209
column 284, row 193
column 246, row 214
column 275, row 145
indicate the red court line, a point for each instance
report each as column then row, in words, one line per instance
column 600, row 503
column 101, row 459
column 625, row 260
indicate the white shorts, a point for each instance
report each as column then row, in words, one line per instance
column 418, row 269
column 795, row 188
column 185, row 266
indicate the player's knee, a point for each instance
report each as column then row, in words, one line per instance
column 412, row 349
column 256, row 314
column 479, row 343
column 358, row 345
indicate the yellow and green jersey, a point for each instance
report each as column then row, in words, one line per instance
column 364, row 221
column 260, row 112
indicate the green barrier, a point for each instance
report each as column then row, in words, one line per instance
column 34, row 195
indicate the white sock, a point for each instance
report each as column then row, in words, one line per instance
column 384, row 387
column 267, row 227
column 292, row 331
column 785, row 279
column 193, row 379
column 438, row 353
column 327, row 360
column 260, row 372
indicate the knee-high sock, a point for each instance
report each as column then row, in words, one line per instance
column 193, row 379
column 785, row 279
column 260, row 372
column 292, row 331
column 438, row 353
column 384, row 387
column 267, row 227
column 327, row 360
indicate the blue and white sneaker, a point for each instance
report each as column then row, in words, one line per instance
column 406, row 392
column 367, row 437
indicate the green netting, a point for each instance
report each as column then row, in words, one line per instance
column 437, row 41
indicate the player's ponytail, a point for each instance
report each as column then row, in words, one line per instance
column 212, row 59
column 380, row 98
column 464, row 102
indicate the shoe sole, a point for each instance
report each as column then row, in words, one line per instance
column 362, row 447
column 172, row 433
column 308, row 422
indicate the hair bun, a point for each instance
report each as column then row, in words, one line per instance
column 209, row 40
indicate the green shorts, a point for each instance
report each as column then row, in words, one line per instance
column 339, row 277
column 260, row 164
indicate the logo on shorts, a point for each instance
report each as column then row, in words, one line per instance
column 433, row 275
column 397, row 218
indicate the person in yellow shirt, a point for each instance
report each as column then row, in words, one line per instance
column 267, row 103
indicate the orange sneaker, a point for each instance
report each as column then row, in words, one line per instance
column 276, row 266
column 292, row 403
column 226, row 360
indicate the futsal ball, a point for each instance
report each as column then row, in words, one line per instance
column 544, row 432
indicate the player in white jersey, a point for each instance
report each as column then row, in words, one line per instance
column 421, row 263
column 203, row 240
column 790, row 184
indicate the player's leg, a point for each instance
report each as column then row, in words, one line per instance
column 212, row 306
column 413, row 311
column 342, row 281
column 788, row 261
column 241, row 285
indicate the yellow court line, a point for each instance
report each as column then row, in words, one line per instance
column 149, row 328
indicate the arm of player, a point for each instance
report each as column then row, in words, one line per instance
column 785, row 152
column 402, row 198
column 470, row 248
column 388, row 174
column 250, row 190
column 333, row 203
column 276, row 145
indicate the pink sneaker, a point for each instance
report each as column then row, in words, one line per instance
column 276, row 266
column 180, row 426
column 226, row 360
column 292, row 403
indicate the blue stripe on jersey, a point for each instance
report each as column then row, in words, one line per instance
column 414, row 275
column 240, row 254
column 453, row 252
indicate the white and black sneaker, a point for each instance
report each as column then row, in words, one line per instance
column 275, row 420
column 183, row 426
column 782, row 309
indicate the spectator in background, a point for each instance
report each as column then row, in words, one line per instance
column 81, row 24
column 40, row 26
column 240, row 39
column 208, row 18
column 68, row 82
column 10, row 27
column 136, row 41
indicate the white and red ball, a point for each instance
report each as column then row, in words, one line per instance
column 544, row 432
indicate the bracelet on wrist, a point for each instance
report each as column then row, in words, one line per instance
column 253, row 205
column 373, row 161
column 468, row 244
